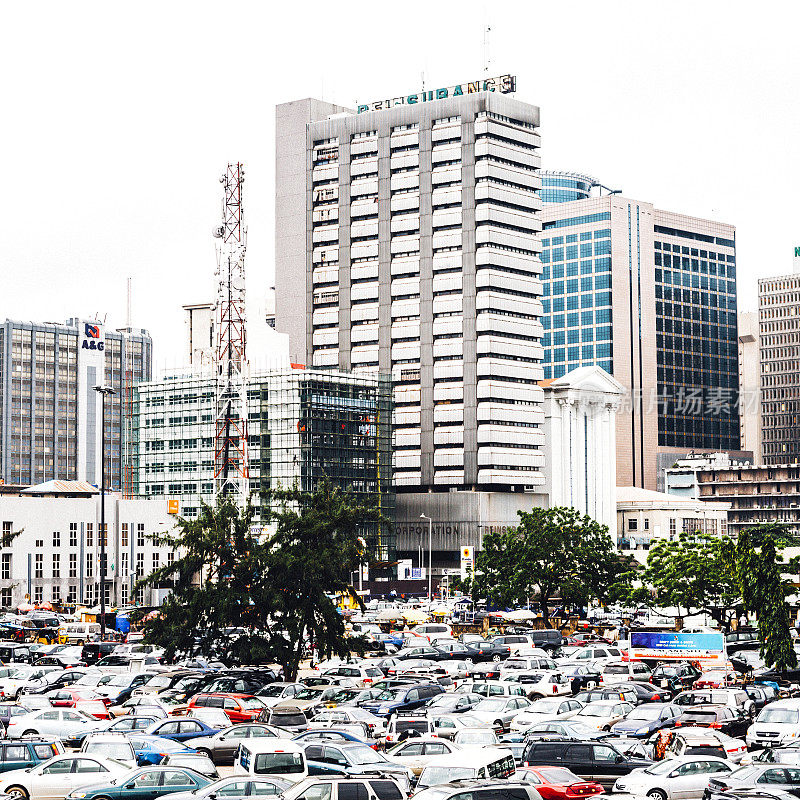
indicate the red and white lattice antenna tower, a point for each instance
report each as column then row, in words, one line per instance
column 231, row 463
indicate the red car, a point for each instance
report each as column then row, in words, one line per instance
column 238, row 707
column 81, row 699
column 557, row 783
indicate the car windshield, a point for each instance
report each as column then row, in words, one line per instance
column 545, row 706
column 251, row 702
column 644, row 713
column 364, row 755
column 293, row 718
column 661, row 768
column 278, row 763
column 119, row 751
column 705, row 717
column 556, row 775
column 308, row 694
column 491, row 705
column 158, row 682
column 787, row 716
column 477, row 737
column 433, row 776
column 616, row 669
column 596, row 710
column 392, row 694
column 276, row 690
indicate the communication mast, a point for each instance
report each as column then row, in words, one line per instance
column 231, row 463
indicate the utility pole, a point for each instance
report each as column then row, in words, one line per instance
column 103, row 391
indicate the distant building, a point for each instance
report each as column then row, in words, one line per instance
column 49, row 412
column 756, row 494
column 750, row 384
column 56, row 556
column 644, row 516
column 681, row 477
column 303, row 425
column 779, row 323
column 199, row 335
column 580, row 431
column 649, row 296
column 563, row 187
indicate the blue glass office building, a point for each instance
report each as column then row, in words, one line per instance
column 561, row 187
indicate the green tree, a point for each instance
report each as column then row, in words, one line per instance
column 315, row 549
column 217, row 581
column 693, row 575
column 553, row 552
column 759, row 572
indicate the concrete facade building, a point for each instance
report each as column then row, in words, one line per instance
column 779, row 329
column 681, row 478
column 750, row 384
column 757, row 494
column 198, row 324
column 412, row 234
column 56, row 555
column 580, row 431
column 49, row 412
column 649, row 296
column 644, row 516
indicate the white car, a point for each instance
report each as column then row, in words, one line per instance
column 499, row 711
column 548, row 708
column 518, row 663
column 345, row 715
column 433, row 631
column 538, row 684
column 23, row 678
column 619, row 671
column 476, row 737
column 55, row 778
column 683, row 778
column 594, row 653
column 417, row 753
column 689, row 737
column 775, row 724
column 61, row 722
column 602, row 714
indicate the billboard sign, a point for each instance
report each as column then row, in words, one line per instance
column 707, row 648
column 467, row 561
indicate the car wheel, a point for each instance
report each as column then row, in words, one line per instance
column 657, row 794
column 495, row 658
column 591, row 684
column 535, row 696
column 18, row 792
column 30, row 733
column 203, row 752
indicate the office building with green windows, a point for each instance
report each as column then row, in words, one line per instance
column 649, row 296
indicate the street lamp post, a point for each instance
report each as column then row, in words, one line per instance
column 104, row 391
column 430, row 554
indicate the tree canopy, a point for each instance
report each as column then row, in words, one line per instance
column 280, row 583
column 553, row 552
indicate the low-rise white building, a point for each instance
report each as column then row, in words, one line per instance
column 681, row 478
column 644, row 515
column 580, row 442
column 55, row 555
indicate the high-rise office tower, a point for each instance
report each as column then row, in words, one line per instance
column 650, row 296
column 407, row 242
column 49, row 412
column 779, row 323
column 750, row 384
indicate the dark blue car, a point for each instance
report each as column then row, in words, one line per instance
column 402, row 698
column 647, row 719
column 152, row 749
column 180, row 728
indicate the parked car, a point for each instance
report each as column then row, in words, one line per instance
column 199, row 762
column 603, row 714
column 149, row 782
column 619, row 671
column 50, row 722
column 180, row 729
column 403, row 698
column 110, row 745
column 646, row 719
column 707, row 742
column 319, row 788
column 557, row 783
column 674, row 778
column 721, row 718
column 58, row 776
column 453, row 702
column 221, row 747
column 775, row 724
column 735, row 698
column 675, row 676
column 548, row 708
column 26, row 754
column 153, row 749
column 596, row 761
column 499, row 711
column 755, row 776
column 236, row 787
column 237, row 707
column 417, row 753
column 349, row 760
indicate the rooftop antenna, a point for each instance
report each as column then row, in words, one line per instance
column 486, row 50
column 128, row 309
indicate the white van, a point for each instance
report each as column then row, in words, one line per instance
column 79, row 632
column 485, row 762
column 270, row 756
column 432, row 631
column 774, row 724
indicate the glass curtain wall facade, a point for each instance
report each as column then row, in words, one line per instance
column 562, row 187
column 303, row 425
column 39, row 387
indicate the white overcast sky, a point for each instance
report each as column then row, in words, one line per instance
column 118, row 118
